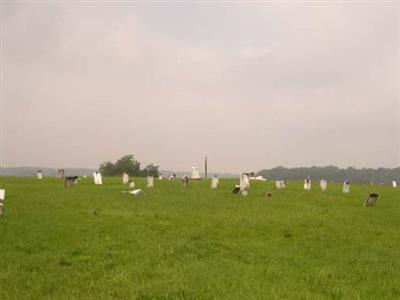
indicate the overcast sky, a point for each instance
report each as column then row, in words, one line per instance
column 250, row 85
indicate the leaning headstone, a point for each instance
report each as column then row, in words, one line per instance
column 125, row 178
column 394, row 184
column 1, row 209
column 244, row 184
column 371, row 200
column 346, row 187
column 323, row 183
column 214, row 182
column 2, row 194
column 307, row 184
column 98, row 180
column 195, row 172
column 150, row 182
column 61, row 173
column 39, row 174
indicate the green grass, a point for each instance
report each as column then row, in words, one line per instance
column 197, row 243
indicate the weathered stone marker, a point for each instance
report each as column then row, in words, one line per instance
column 244, row 184
column 2, row 194
column 125, row 178
column 39, row 174
column 61, row 173
column 307, row 184
column 98, row 180
column 280, row 184
column 371, row 200
column 70, row 181
column 131, row 183
column 323, row 183
column 150, row 182
column 185, row 181
column 346, row 187
column 214, row 182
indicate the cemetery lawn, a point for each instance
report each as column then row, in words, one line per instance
column 93, row 242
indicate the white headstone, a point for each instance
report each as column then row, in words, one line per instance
column 280, row 184
column 1, row 209
column 244, row 184
column 132, row 184
column 394, row 184
column 307, row 184
column 195, row 172
column 2, row 194
column 160, row 177
column 346, row 186
column 97, row 178
column 125, row 178
column 39, row 174
column 214, row 182
column 323, row 183
column 150, row 182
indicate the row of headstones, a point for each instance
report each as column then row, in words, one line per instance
column 281, row 184
column 323, row 183
column 244, row 186
column 245, row 180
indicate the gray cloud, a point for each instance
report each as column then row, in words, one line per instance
column 251, row 86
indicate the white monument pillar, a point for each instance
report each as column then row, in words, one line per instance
column 346, row 187
column 195, row 172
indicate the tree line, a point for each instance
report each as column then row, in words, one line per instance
column 128, row 164
column 333, row 173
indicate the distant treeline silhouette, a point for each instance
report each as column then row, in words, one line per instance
column 332, row 173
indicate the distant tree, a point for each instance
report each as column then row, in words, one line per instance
column 127, row 164
column 107, row 168
column 151, row 170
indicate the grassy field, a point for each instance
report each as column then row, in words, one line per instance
column 93, row 242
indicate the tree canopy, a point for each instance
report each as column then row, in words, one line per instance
column 127, row 164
